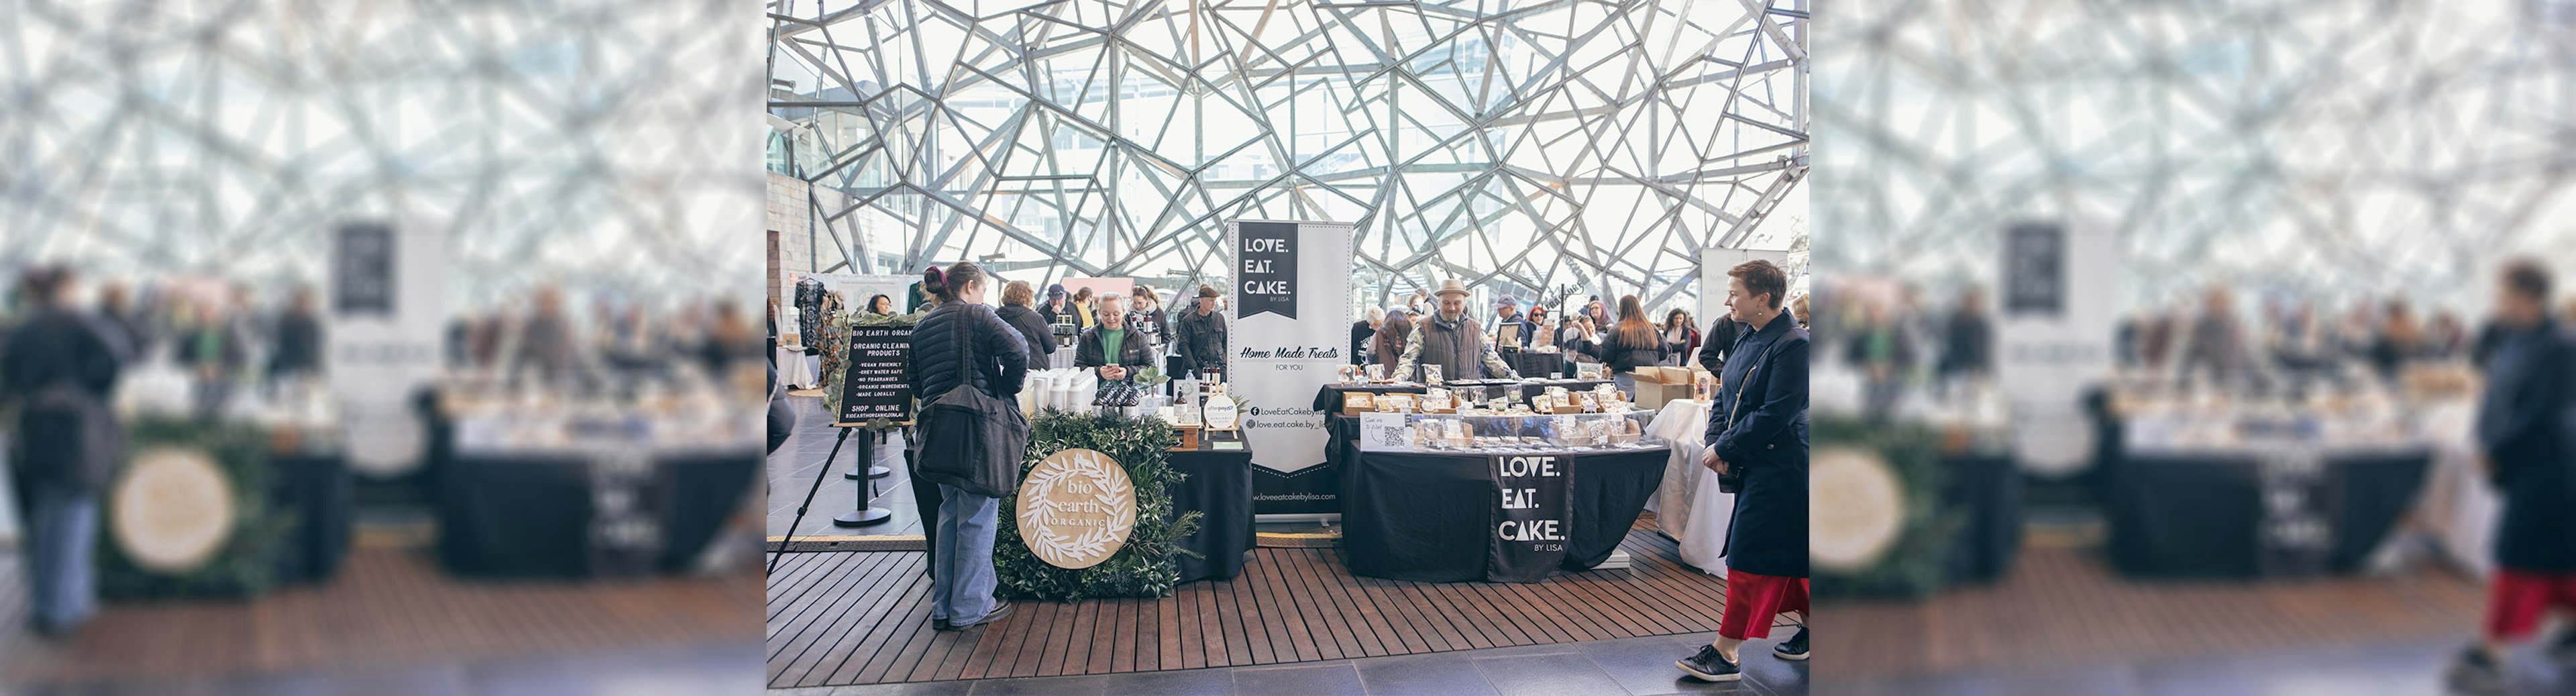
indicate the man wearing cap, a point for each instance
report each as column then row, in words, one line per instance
column 1452, row 340
column 1054, row 311
column 1507, row 317
column 1200, row 337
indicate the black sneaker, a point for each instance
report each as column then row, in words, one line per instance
column 2476, row 672
column 1710, row 666
column 1001, row 608
column 1794, row 649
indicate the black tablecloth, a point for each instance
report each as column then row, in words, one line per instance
column 1986, row 490
column 2198, row 515
column 1220, row 488
column 1429, row 516
column 1534, row 365
column 318, row 490
column 503, row 515
column 1328, row 398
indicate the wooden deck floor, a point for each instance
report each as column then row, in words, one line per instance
column 2063, row 606
column 388, row 608
column 864, row 618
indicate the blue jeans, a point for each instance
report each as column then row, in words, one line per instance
column 961, row 581
column 61, row 534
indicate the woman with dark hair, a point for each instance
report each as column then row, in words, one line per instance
column 962, row 343
column 1680, row 337
column 1627, row 345
column 1391, row 337
column 881, row 304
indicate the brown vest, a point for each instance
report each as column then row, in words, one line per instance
column 1459, row 353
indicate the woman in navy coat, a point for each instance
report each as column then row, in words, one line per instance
column 1758, row 430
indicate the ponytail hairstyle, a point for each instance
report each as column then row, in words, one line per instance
column 945, row 283
column 934, row 282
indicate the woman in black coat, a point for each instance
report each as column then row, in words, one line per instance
column 962, row 344
column 1757, row 431
column 1628, row 345
column 1033, row 327
column 60, row 367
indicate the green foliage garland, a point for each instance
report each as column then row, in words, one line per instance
column 247, row 564
column 1149, row 565
column 1918, row 564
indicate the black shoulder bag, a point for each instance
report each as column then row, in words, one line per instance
column 968, row 438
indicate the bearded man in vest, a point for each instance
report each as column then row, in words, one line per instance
column 1453, row 341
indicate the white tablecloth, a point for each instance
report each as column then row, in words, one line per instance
column 798, row 369
column 2459, row 507
column 1689, row 507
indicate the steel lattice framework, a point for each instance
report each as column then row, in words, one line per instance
column 1519, row 144
column 600, row 143
column 2294, row 146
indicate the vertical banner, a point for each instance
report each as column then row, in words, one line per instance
column 387, row 309
column 2055, row 338
column 1289, row 328
column 1529, row 519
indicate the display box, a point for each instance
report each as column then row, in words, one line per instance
column 1355, row 403
column 1481, row 431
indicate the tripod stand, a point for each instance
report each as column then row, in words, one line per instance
column 862, row 516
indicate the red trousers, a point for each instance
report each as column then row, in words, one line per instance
column 2518, row 598
column 1751, row 601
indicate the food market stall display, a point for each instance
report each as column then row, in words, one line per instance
column 1506, row 496
column 2211, row 484
column 634, row 483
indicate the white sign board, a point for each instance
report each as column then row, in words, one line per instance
column 1289, row 316
column 2056, row 298
column 388, row 299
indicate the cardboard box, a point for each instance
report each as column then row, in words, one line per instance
column 1651, row 396
column 1355, row 403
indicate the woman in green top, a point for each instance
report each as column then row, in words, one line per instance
column 1112, row 339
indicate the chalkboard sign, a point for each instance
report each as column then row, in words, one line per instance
column 877, row 384
column 2035, row 269
column 362, row 270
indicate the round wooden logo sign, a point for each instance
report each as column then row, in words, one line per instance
column 1221, row 413
column 1858, row 508
column 171, row 510
column 1076, row 509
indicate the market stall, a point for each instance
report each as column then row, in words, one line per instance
column 2209, row 485
column 1498, row 497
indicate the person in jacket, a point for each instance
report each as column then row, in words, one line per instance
column 1392, row 337
column 60, row 368
column 299, row 339
column 989, row 355
column 1681, row 338
column 1054, row 309
column 1720, row 338
column 1113, row 349
column 1759, row 426
column 1452, row 340
column 1200, row 338
column 1968, row 343
column 1031, row 325
column 2521, row 434
column 1507, row 318
column 1361, row 331
column 1628, row 345
column 1145, row 314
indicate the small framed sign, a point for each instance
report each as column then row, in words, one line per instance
column 1220, row 412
